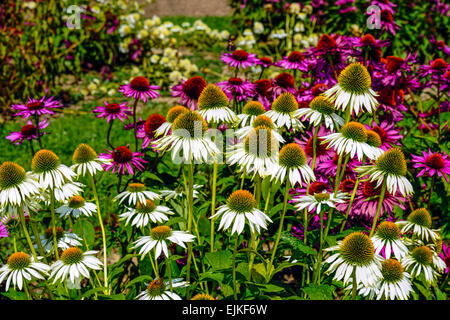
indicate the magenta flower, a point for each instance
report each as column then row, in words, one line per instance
column 432, row 163
column 436, row 69
column 189, row 91
column 140, row 88
column 112, row 111
column 36, row 107
column 384, row 5
column 295, row 60
column 386, row 20
column 322, row 153
column 284, row 82
column 265, row 62
column 239, row 59
column 445, row 255
column 242, row 89
column 366, row 202
column 123, row 158
column 28, row 132
column 3, row 231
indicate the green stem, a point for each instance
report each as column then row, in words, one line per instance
column 190, row 218
column 213, row 203
column 38, row 239
column 280, row 229
column 234, row 267
column 319, row 257
column 52, row 209
column 27, row 235
column 135, row 124
column 100, row 221
column 354, row 285
column 380, row 203
column 316, row 130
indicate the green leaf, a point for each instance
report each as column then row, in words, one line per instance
column 219, row 260
column 297, row 244
column 89, row 293
column 204, row 226
column 319, row 291
column 88, row 231
column 439, row 294
column 139, row 279
column 14, row 295
column 214, row 276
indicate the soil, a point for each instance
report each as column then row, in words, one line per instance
column 189, row 8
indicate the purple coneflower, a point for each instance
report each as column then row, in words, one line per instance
column 322, row 153
column 445, row 255
column 3, row 231
column 265, row 62
column 123, row 158
column 139, row 88
column 239, row 59
column 147, row 131
column 36, row 107
column 284, row 82
column 263, row 94
column 436, row 69
column 236, row 87
column 189, row 91
column 432, row 163
column 112, row 111
column 28, row 132
column 295, row 60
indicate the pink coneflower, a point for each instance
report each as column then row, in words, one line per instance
column 140, row 88
column 189, row 91
column 308, row 94
column 386, row 20
column 366, row 202
column 436, row 68
column 263, row 92
column 36, row 107
column 3, row 231
column 284, row 82
column 28, row 132
column 384, row 5
column 112, row 111
column 445, row 255
column 396, row 67
column 147, row 131
column 123, row 158
column 239, row 59
column 328, row 167
column 265, row 62
column 295, row 60
column 318, row 186
column 241, row 89
column 388, row 134
column 432, row 163
column 322, row 153
column 370, row 48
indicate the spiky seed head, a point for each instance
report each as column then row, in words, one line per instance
column 202, row 296
column 392, row 271
column 174, row 112
column 388, row 230
column 83, row 154
column 420, row 217
column 44, row 161
column 241, row 201
column 422, row 255
column 212, row 97
column 76, row 202
column 355, row 131
column 292, row 156
column 253, row 108
column 190, row 121
column 373, row 139
column 322, row 105
column 357, row 249
column 136, row 187
column 147, row 207
column 160, row 232
column 11, row 175
column 355, row 79
column 392, row 162
column 18, row 261
column 263, row 120
column 285, row 103
column 260, row 142
column 72, row 255
column 156, row 287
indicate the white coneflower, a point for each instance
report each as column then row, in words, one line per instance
column 257, row 153
column 352, row 140
column 239, row 209
column 355, row 252
column 172, row 114
column 188, row 137
column 73, row 264
column 321, row 109
column 75, row 207
column 418, row 261
column 318, row 200
column 158, row 290
column 146, row 212
column 261, row 120
column 292, row 162
column 85, row 160
column 19, row 268
column 67, row 190
column 64, row 239
column 17, row 188
column 395, row 283
column 419, row 223
column 390, row 167
column 49, row 171
column 283, row 112
column 213, row 105
column 250, row 111
column 353, row 90
column 157, row 239
column 387, row 236
column 136, row 192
